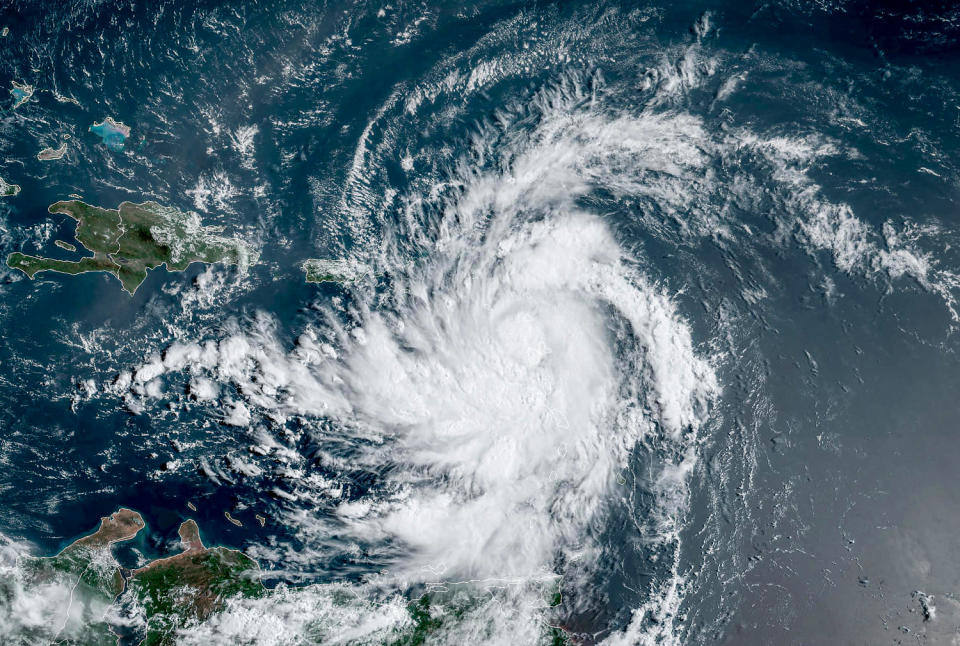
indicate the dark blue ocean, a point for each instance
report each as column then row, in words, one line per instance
column 654, row 304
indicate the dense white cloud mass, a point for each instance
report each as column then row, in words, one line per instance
column 520, row 353
column 513, row 369
column 517, row 352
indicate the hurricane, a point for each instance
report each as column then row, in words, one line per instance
column 492, row 396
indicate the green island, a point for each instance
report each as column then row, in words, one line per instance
column 128, row 241
column 8, row 190
column 319, row 270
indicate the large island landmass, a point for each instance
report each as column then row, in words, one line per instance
column 128, row 241
column 318, row 270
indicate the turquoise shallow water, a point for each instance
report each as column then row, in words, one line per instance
column 659, row 302
column 112, row 135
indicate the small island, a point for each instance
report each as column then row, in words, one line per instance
column 113, row 133
column 132, row 239
column 8, row 190
column 334, row 271
column 21, row 94
column 65, row 99
column 64, row 245
column 48, row 154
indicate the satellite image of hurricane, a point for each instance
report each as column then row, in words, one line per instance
column 420, row 322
